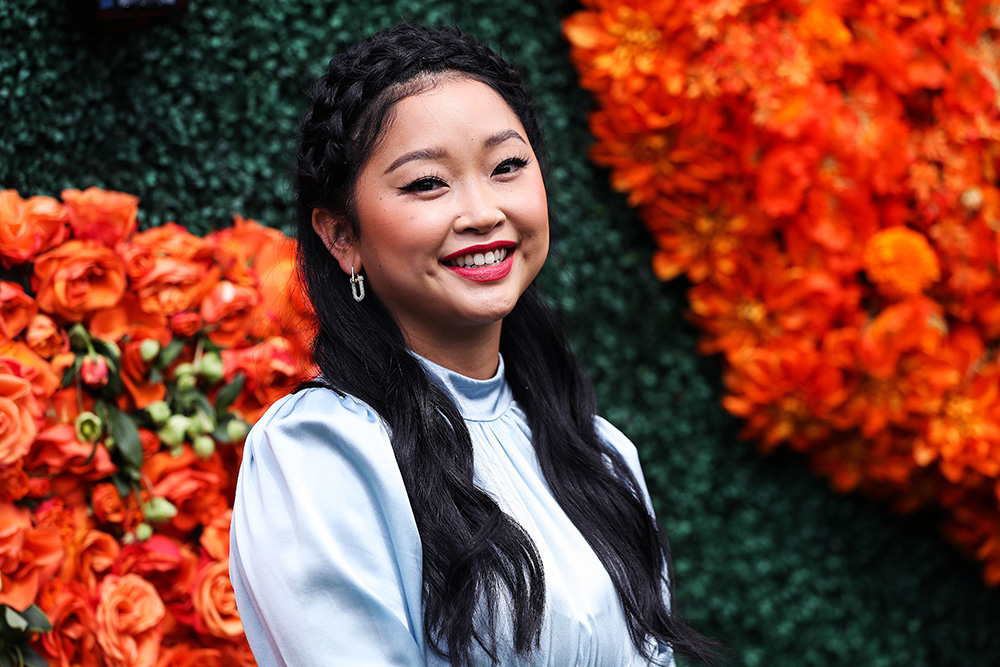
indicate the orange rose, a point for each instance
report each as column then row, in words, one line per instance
column 239, row 248
column 44, row 337
column 78, row 277
column 123, row 318
column 192, row 484
column 19, row 411
column 104, row 216
column 128, row 619
column 135, row 371
column 16, row 310
column 215, row 537
column 44, row 378
column 29, row 556
column 227, row 310
column 70, row 609
column 270, row 370
column 186, row 323
column 215, row 601
column 29, row 226
column 108, row 505
column 171, row 269
column 181, row 655
column 58, row 452
column 93, row 554
column 13, row 482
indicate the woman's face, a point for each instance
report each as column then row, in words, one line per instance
column 452, row 212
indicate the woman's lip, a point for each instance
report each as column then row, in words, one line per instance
column 485, row 274
column 482, row 247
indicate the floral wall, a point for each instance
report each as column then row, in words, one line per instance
column 773, row 231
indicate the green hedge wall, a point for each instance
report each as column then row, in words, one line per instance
column 197, row 116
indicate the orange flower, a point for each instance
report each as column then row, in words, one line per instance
column 227, row 310
column 90, row 557
column 104, row 216
column 28, row 227
column 171, row 269
column 192, row 484
column 118, row 321
column 270, row 372
column 186, row 324
column 109, row 507
column 215, row 601
column 128, row 616
column 784, row 392
column 70, row 609
column 20, row 413
column 58, row 452
column 243, row 249
column 901, row 262
column 16, row 310
column 13, row 482
column 45, row 338
column 78, row 277
column 182, row 655
column 135, row 370
column 214, row 538
column 29, row 556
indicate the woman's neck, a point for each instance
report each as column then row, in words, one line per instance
column 473, row 351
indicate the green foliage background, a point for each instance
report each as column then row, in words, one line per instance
column 197, row 118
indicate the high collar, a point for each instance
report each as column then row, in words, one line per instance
column 477, row 400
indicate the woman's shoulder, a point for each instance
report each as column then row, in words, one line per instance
column 318, row 422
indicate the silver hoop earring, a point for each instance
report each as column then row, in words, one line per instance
column 357, row 285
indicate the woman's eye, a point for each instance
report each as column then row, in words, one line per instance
column 425, row 184
column 510, row 166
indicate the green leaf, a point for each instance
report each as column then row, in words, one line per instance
column 228, row 393
column 126, row 435
column 31, row 658
column 71, row 371
column 170, row 353
column 14, row 619
column 37, row 621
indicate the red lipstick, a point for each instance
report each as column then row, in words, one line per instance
column 486, row 273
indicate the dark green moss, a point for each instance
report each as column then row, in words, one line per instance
column 197, row 118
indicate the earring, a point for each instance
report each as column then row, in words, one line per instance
column 357, row 285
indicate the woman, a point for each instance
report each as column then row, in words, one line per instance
column 443, row 493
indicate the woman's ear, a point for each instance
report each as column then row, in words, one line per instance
column 338, row 239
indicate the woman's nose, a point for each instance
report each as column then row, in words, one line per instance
column 481, row 209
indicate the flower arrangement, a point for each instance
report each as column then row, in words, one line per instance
column 825, row 174
column 131, row 366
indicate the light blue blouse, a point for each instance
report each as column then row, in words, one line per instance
column 326, row 559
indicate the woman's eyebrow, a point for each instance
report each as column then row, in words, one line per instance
column 502, row 136
column 439, row 153
column 421, row 154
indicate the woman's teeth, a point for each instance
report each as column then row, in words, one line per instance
column 491, row 257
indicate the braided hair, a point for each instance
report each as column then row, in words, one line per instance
column 475, row 556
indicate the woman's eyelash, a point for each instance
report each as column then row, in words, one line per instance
column 517, row 162
column 422, row 184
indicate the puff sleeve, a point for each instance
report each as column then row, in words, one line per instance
column 325, row 556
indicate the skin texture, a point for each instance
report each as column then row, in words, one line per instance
column 453, row 172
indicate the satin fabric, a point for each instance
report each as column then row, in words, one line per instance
column 325, row 556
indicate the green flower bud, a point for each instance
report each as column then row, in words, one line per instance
column 186, row 383
column 79, row 339
column 237, row 429
column 173, row 432
column 143, row 532
column 159, row 412
column 158, row 509
column 88, row 427
column 183, row 369
column 200, row 423
column 210, row 367
column 149, row 349
column 203, row 446
column 110, row 444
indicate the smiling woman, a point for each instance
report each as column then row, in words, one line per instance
column 443, row 493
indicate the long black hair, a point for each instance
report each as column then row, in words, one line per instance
column 473, row 553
